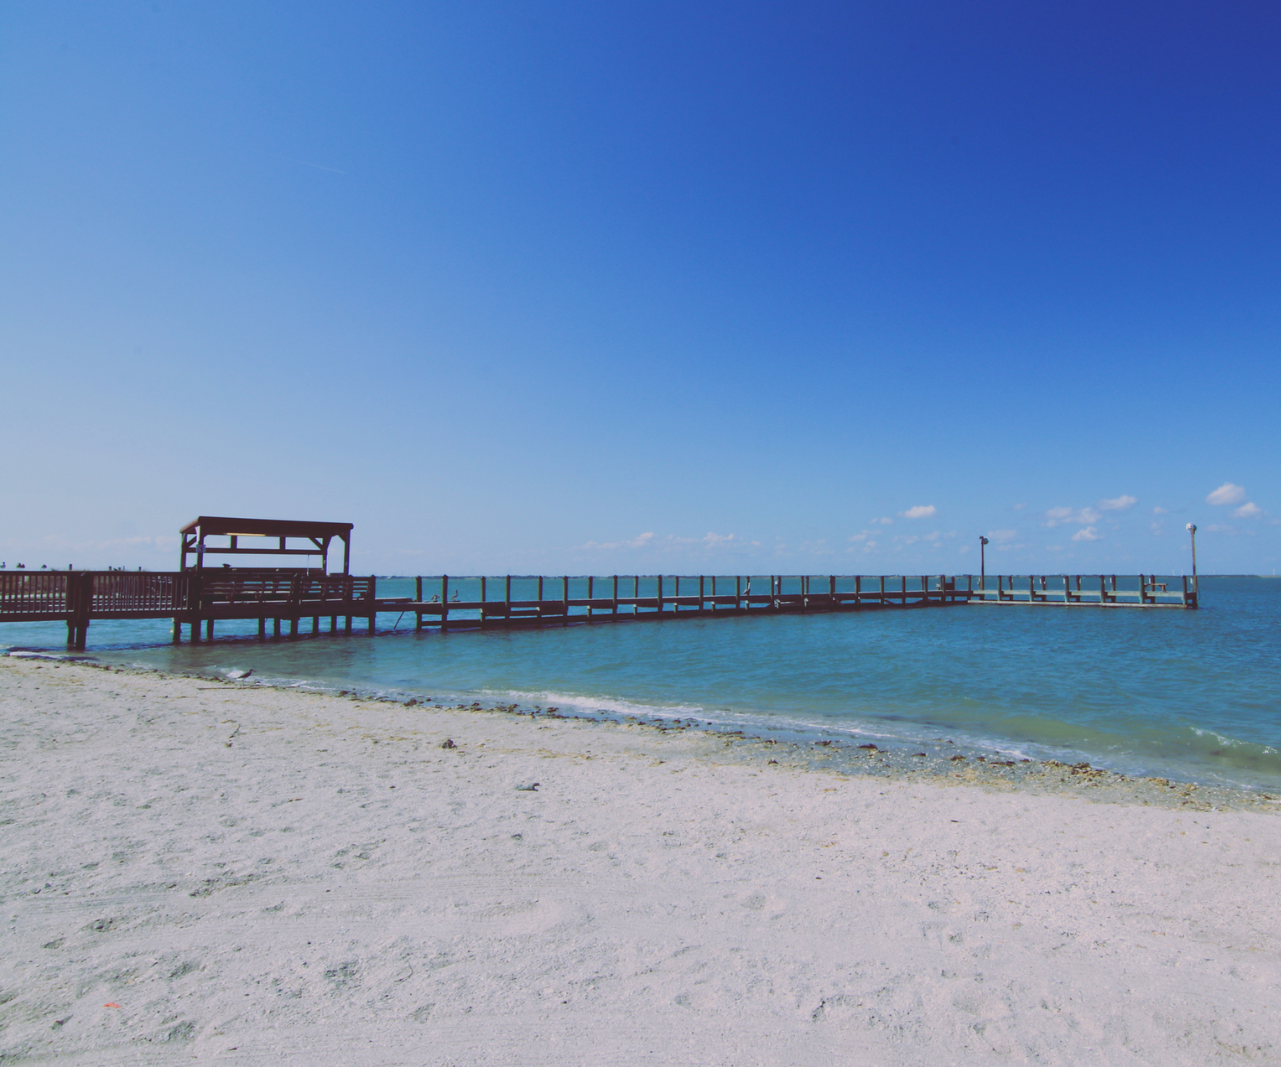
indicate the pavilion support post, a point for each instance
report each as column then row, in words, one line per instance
column 444, row 604
column 275, row 628
column 616, row 596
column 293, row 627
column 262, row 628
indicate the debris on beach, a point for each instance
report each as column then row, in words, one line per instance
column 531, row 787
column 448, row 743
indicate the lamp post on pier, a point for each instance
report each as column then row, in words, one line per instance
column 1192, row 532
column 982, row 563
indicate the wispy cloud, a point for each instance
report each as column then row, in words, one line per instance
column 1249, row 510
column 1160, row 511
column 1227, row 493
column 886, row 521
column 1119, row 503
column 640, row 541
column 1001, row 536
column 1088, row 534
column 920, row 511
column 1065, row 516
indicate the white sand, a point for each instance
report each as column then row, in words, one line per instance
column 263, row 876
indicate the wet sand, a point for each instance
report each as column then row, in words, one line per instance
column 227, row 872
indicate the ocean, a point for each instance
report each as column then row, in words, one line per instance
column 1189, row 695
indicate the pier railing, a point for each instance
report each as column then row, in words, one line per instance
column 1105, row 590
column 450, row 601
column 200, row 599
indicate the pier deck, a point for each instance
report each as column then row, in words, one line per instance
column 281, row 601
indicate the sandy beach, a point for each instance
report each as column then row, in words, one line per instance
column 203, row 871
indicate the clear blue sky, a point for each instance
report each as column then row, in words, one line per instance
column 616, row 287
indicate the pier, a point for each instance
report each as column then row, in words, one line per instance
column 288, row 602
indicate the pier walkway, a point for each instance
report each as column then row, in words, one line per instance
column 282, row 602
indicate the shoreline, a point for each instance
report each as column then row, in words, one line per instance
column 941, row 760
column 244, row 872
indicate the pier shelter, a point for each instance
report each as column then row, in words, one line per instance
column 319, row 535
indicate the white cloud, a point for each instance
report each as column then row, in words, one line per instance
column 883, row 521
column 1120, row 503
column 1088, row 534
column 1156, row 528
column 1250, row 510
column 1160, row 511
column 1019, row 507
column 921, row 511
column 1060, row 516
column 639, row 541
column 1002, row 535
column 1227, row 493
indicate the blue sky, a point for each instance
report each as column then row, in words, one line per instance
column 617, row 287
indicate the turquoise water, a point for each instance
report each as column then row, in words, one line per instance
column 1186, row 694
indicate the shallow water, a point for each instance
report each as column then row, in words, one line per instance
column 1185, row 694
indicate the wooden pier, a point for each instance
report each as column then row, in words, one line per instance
column 282, row 600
